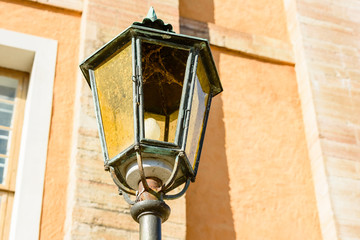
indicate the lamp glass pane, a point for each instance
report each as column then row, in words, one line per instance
column 163, row 70
column 198, row 109
column 115, row 91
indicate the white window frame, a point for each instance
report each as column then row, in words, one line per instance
column 37, row 56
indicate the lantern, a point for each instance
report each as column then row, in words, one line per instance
column 152, row 90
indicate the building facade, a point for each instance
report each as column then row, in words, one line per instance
column 281, row 157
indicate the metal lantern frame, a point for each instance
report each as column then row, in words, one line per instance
column 154, row 31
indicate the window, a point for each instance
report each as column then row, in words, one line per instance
column 13, row 90
column 37, row 56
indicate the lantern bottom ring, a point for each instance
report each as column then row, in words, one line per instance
column 153, row 168
column 156, row 207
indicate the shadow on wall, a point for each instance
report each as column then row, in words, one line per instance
column 208, row 210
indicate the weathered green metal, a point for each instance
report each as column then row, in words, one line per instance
column 158, row 37
column 151, row 14
column 151, row 21
column 155, row 31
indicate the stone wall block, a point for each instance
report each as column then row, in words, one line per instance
column 339, row 167
column 329, row 33
column 98, row 211
column 341, row 150
column 85, row 232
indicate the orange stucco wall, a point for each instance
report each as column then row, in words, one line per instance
column 261, row 17
column 63, row 26
column 254, row 179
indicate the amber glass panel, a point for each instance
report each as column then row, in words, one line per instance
column 172, row 125
column 198, row 109
column 115, row 92
column 163, row 70
column 151, row 128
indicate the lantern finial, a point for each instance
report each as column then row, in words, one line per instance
column 151, row 21
column 151, row 14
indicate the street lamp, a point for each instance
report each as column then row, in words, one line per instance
column 152, row 90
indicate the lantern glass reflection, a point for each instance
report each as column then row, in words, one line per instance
column 163, row 70
column 115, row 92
column 198, row 110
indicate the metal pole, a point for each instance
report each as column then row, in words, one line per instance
column 150, row 227
column 150, row 211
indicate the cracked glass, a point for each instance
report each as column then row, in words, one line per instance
column 163, row 70
column 115, row 91
column 198, row 109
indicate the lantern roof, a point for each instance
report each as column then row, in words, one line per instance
column 152, row 21
column 157, row 32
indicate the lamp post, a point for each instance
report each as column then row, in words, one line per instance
column 152, row 90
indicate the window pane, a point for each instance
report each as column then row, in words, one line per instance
column 198, row 109
column 4, row 140
column 6, row 113
column 115, row 93
column 2, row 170
column 163, row 70
column 8, row 88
